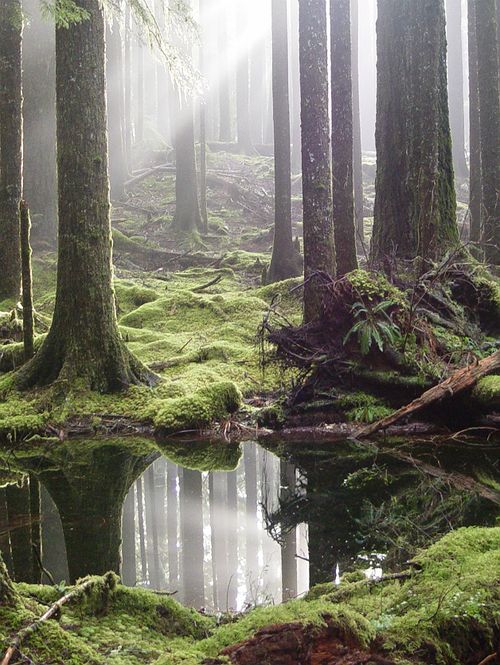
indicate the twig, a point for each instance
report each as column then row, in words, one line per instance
column 44, row 570
column 489, row 659
column 214, row 281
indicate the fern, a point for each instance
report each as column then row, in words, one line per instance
column 374, row 326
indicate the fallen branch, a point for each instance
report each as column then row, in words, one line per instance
column 52, row 612
column 203, row 287
column 459, row 381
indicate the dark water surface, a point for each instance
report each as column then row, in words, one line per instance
column 225, row 526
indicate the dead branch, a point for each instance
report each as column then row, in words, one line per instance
column 203, row 287
column 461, row 380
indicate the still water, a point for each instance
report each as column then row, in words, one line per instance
column 224, row 527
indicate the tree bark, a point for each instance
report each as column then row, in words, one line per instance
column 218, row 523
column 289, row 540
column 19, row 511
column 39, row 114
column 83, row 343
column 358, row 153
column 142, row 529
column 244, row 134
column 415, row 204
column 129, row 562
column 53, row 545
column 11, row 142
column 192, row 539
column 5, row 549
column 172, row 526
column 251, row 541
column 187, row 217
column 284, row 262
column 232, row 539
column 116, row 110
column 257, row 90
column 489, row 119
column 319, row 251
column 295, row 79
column 27, row 283
column 342, row 137
column 475, row 132
column 456, row 86
column 7, row 591
column 36, row 526
column 153, row 550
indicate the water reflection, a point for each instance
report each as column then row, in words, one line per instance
column 223, row 526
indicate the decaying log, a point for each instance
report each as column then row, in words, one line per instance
column 461, row 380
column 51, row 613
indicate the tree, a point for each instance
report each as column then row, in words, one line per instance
column 191, row 515
column 489, row 121
column 172, row 504
column 224, row 88
column 358, row 155
column 39, row 116
column 8, row 594
column 243, row 125
column 415, row 205
column 475, row 132
column 289, row 581
column 284, row 262
column 319, row 251
column 11, row 142
column 295, row 80
column 251, row 506
column 232, row 539
column 83, row 342
column 19, row 512
column 129, row 561
column 218, row 517
column 456, row 85
column 342, row 137
column 116, row 110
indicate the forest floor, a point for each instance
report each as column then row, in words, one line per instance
column 443, row 610
column 192, row 307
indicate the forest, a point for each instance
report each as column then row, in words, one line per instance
column 249, row 332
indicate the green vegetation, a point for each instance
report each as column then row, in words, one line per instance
column 445, row 612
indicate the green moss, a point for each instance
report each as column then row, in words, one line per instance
column 486, row 394
column 202, row 455
column 373, row 286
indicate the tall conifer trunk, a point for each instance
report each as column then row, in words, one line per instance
column 356, row 112
column 474, row 133
column 83, row 343
column 244, row 132
column 11, row 146
column 116, row 110
column 342, row 137
column 489, row 120
column 284, row 262
column 415, row 204
column 319, row 252
column 456, row 85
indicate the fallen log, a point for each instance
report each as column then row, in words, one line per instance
column 461, row 380
column 53, row 611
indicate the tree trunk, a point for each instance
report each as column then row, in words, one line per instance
column 489, row 119
column 415, row 205
column 232, row 539
column 153, row 550
column 139, row 117
column 19, row 511
column 116, row 111
column 7, row 592
column 129, row 563
column 257, row 90
column 53, row 545
column 187, row 217
column 358, row 152
column 456, row 85
column 295, row 79
column 192, row 539
column 243, row 127
column 289, row 541
column 11, row 141
column 127, row 64
column 319, row 250
column 251, row 540
column 83, row 342
column 225, row 134
column 5, row 531
column 284, row 262
column 27, row 282
column 36, row 526
column 142, row 529
column 172, row 526
column 342, row 137
column 218, row 525
column 475, row 132
column 39, row 114
column 203, row 124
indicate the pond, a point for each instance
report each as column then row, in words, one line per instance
column 225, row 526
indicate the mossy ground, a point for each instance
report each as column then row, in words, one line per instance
column 445, row 613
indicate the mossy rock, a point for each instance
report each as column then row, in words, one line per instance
column 486, row 394
column 202, row 455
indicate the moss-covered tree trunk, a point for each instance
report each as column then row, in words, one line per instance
column 11, row 142
column 342, row 137
column 489, row 120
column 7, row 592
column 284, row 262
column 5, row 531
column 90, row 503
column 474, row 130
column 415, row 205
column 456, row 85
column 83, row 343
column 319, row 251
column 357, row 168
column 39, row 114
